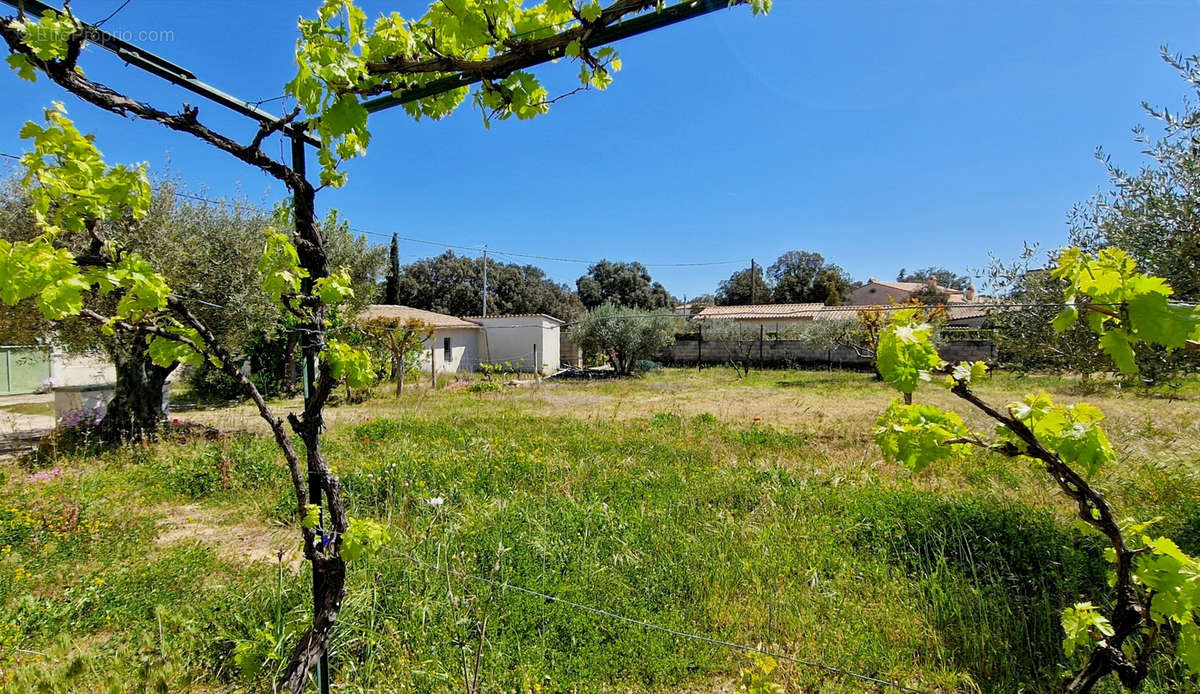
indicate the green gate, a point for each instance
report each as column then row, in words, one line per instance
column 22, row 369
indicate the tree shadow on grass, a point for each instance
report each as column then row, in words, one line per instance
column 995, row 577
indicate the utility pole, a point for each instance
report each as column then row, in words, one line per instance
column 753, row 284
column 485, row 280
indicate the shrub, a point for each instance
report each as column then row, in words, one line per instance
column 625, row 336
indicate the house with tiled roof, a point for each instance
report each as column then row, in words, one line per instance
column 773, row 317
column 526, row 342
column 963, row 307
column 879, row 293
column 776, row 317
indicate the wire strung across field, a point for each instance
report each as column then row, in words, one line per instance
column 504, row 585
column 474, row 249
column 749, row 313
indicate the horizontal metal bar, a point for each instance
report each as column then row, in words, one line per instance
column 161, row 67
column 610, row 34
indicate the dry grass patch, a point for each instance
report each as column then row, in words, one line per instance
column 229, row 535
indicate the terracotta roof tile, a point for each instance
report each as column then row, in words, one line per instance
column 437, row 320
column 800, row 312
column 547, row 316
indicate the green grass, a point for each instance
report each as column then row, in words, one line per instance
column 660, row 499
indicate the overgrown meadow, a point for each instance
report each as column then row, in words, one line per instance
column 750, row 510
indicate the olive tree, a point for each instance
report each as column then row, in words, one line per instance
column 624, row 335
column 740, row 339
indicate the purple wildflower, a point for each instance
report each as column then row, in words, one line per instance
column 84, row 417
column 44, row 475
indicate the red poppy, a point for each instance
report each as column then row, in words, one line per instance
column 175, row 421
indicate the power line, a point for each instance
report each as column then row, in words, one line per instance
column 537, row 257
column 474, row 249
column 504, row 585
column 748, row 314
column 113, row 14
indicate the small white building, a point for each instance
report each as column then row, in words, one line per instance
column 528, row 342
column 453, row 346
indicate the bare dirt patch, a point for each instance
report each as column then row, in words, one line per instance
column 229, row 536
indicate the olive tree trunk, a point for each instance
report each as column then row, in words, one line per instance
column 136, row 411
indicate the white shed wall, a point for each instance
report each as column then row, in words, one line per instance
column 551, row 353
column 516, row 340
column 81, row 369
column 464, row 350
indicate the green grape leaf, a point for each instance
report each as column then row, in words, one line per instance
column 69, row 184
column 591, row 11
column 363, row 538
column 63, row 298
column 1188, row 646
column 335, row 288
column 166, row 352
column 312, row 516
column 339, row 59
column 1116, row 344
column 1081, row 623
column 1125, row 307
column 24, row 68
column 352, row 364
column 1154, row 320
column 279, row 266
column 146, row 291
column 1071, row 431
column 1065, row 318
column 917, row 435
column 1174, row 576
column 47, row 38
column 905, row 354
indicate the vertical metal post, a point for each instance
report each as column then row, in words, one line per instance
column 308, row 351
column 761, row 331
column 304, row 369
column 432, row 366
column 485, row 280
column 700, row 350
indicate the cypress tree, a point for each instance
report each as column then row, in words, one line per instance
column 391, row 291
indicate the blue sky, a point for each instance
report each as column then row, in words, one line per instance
column 880, row 134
